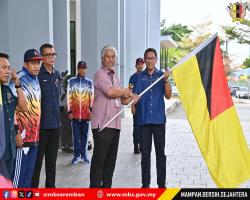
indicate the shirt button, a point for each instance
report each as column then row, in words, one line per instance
column 150, row 97
column 151, row 90
column 150, row 111
column 9, row 119
column 151, row 104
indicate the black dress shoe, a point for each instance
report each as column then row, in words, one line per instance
column 145, row 186
column 136, row 151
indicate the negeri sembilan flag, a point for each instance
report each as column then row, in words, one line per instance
column 202, row 84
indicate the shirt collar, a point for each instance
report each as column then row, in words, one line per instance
column 112, row 71
column 80, row 77
column 156, row 71
column 44, row 70
column 29, row 75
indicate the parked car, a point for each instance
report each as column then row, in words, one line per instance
column 242, row 93
column 175, row 91
column 233, row 90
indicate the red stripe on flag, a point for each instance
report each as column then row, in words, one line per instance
column 220, row 95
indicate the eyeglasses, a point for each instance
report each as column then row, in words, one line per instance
column 50, row 55
column 149, row 59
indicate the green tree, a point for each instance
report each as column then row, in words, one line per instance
column 246, row 63
column 176, row 31
column 239, row 32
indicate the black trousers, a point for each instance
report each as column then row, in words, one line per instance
column 104, row 157
column 48, row 146
column 158, row 133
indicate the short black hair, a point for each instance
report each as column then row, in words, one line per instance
column 150, row 50
column 44, row 46
column 4, row 55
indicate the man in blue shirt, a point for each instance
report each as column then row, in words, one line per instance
column 49, row 80
column 8, row 103
column 152, row 117
column 132, row 81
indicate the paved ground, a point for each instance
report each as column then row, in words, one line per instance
column 185, row 165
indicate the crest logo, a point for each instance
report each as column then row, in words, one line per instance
column 237, row 11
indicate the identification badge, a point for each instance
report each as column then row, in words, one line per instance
column 117, row 103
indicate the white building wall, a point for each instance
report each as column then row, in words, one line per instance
column 130, row 25
column 4, row 33
column 27, row 28
column 61, row 19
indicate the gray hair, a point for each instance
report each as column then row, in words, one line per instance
column 108, row 47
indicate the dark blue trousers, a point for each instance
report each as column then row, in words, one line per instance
column 24, row 166
column 136, row 131
column 80, row 135
column 158, row 133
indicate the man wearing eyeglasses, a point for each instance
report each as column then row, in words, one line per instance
column 49, row 80
column 152, row 118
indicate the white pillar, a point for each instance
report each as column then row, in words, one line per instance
column 62, row 34
column 142, row 30
column 154, row 26
column 100, row 25
column 123, row 63
column 78, row 31
column 136, row 33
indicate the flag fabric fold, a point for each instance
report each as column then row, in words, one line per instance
column 202, row 84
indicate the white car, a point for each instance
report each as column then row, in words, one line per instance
column 242, row 93
column 175, row 91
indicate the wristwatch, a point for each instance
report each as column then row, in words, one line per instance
column 18, row 86
column 166, row 81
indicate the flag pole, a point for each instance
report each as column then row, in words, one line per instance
column 142, row 93
column 196, row 50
